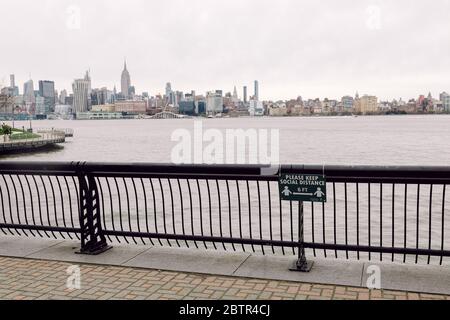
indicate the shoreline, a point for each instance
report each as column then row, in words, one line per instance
column 187, row 117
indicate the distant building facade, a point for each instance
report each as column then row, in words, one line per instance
column 256, row 108
column 445, row 99
column 28, row 92
column 41, row 108
column 366, row 104
column 47, row 91
column 245, row 94
column 104, row 108
column 134, row 107
column 347, row 103
column 80, row 95
column 214, row 102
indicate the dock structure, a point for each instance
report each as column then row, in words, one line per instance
column 46, row 139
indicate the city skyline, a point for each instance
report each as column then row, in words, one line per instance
column 243, row 94
column 378, row 47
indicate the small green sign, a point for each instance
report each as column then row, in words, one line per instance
column 303, row 187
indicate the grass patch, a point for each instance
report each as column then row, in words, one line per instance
column 26, row 135
column 17, row 134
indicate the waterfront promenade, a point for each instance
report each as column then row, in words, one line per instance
column 74, row 210
column 37, row 269
column 30, row 279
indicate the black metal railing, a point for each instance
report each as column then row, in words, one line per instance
column 385, row 213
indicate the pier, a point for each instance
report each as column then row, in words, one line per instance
column 45, row 140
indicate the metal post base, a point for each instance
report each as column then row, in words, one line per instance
column 95, row 251
column 305, row 266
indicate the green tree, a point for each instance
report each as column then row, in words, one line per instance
column 6, row 129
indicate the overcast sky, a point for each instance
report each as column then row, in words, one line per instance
column 311, row 48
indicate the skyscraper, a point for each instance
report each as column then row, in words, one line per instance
column 125, row 82
column 245, row 94
column 40, row 107
column 28, row 92
column 256, row 90
column 169, row 93
column 87, row 77
column 63, row 96
column 12, row 90
column 80, row 95
column 235, row 95
column 47, row 91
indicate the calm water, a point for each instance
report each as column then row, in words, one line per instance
column 387, row 140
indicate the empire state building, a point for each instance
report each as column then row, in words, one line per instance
column 125, row 82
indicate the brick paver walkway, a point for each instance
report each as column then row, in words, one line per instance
column 36, row 279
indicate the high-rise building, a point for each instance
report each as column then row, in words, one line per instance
column 245, row 94
column 132, row 92
column 101, row 96
column 14, row 90
column 170, row 97
column 214, row 102
column 187, row 106
column 235, row 97
column 69, row 100
column 445, row 99
column 347, row 103
column 6, row 103
column 366, row 104
column 41, row 107
column 62, row 97
column 28, row 92
column 87, row 77
column 256, row 90
column 256, row 108
column 47, row 91
column 125, row 82
column 80, row 95
column 168, row 88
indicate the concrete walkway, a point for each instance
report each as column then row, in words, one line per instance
column 326, row 273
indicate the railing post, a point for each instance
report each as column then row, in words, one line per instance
column 301, row 265
column 93, row 240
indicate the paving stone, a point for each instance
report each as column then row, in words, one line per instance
column 47, row 280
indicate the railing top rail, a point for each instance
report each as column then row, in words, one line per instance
column 336, row 173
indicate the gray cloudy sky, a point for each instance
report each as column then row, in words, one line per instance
column 312, row 48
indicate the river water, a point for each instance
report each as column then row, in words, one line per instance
column 382, row 140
